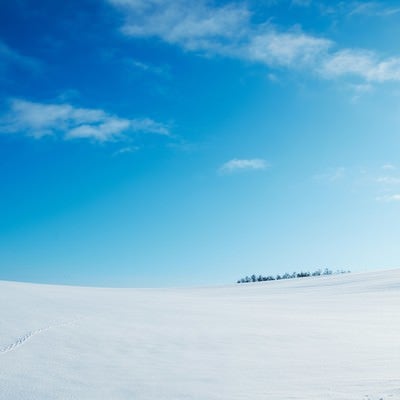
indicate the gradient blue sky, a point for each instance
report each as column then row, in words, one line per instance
column 169, row 142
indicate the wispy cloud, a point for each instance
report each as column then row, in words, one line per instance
column 237, row 165
column 226, row 30
column 290, row 49
column 389, row 198
column 126, row 150
column 192, row 25
column 381, row 182
column 364, row 64
column 332, row 175
column 360, row 89
column 229, row 31
column 388, row 180
column 373, row 8
column 388, row 167
column 11, row 57
column 301, row 3
column 70, row 122
column 149, row 68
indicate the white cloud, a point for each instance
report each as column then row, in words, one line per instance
column 225, row 30
column 388, row 180
column 149, row 125
column 388, row 166
column 229, row 31
column 70, row 122
column 126, row 150
column 286, row 49
column 389, row 198
column 364, row 64
column 193, row 25
column 236, row 165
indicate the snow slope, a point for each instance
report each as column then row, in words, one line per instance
column 335, row 337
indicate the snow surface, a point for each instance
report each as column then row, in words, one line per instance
column 335, row 337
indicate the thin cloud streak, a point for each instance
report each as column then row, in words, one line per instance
column 69, row 122
column 236, row 165
column 11, row 57
column 373, row 9
column 389, row 198
column 333, row 175
column 388, row 180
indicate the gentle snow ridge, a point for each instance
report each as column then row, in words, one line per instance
column 334, row 337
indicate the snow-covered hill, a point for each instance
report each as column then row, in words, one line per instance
column 335, row 337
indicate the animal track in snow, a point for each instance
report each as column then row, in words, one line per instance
column 23, row 339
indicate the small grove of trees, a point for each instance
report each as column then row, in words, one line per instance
column 318, row 272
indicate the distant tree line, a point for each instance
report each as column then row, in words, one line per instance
column 318, row 272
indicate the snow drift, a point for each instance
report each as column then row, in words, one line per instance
column 334, row 337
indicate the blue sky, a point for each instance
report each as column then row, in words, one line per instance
column 159, row 142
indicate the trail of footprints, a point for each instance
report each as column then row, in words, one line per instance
column 23, row 339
